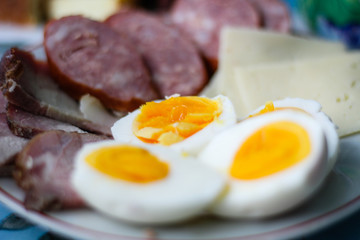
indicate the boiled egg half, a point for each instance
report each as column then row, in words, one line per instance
column 312, row 108
column 184, row 123
column 273, row 162
column 144, row 184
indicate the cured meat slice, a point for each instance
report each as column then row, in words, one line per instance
column 27, row 125
column 27, row 84
column 275, row 14
column 2, row 102
column 86, row 56
column 203, row 20
column 10, row 145
column 173, row 60
column 44, row 166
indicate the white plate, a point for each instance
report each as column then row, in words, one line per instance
column 339, row 197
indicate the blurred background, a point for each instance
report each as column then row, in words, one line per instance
column 22, row 20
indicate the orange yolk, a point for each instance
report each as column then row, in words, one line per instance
column 269, row 107
column 271, row 149
column 174, row 119
column 128, row 163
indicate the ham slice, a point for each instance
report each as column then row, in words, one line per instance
column 44, row 166
column 10, row 145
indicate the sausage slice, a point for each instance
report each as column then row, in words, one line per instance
column 86, row 56
column 173, row 60
column 203, row 20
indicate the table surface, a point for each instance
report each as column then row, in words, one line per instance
column 14, row 227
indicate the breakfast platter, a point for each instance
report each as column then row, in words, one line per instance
column 338, row 198
column 145, row 125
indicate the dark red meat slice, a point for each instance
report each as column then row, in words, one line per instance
column 27, row 125
column 86, row 56
column 2, row 102
column 27, row 84
column 174, row 62
column 10, row 145
column 44, row 166
column 275, row 14
column 203, row 20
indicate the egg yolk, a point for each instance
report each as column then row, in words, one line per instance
column 269, row 107
column 128, row 163
column 271, row 149
column 174, row 119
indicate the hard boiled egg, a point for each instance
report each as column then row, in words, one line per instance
column 314, row 109
column 144, row 184
column 273, row 162
column 185, row 123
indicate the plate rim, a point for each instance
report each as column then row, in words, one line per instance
column 62, row 227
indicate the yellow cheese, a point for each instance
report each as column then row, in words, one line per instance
column 242, row 47
column 333, row 81
column 95, row 9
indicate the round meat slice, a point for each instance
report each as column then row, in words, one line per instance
column 203, row 20
column 275, row 14
column 86, row 56
column 173, row 60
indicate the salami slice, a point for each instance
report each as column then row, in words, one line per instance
column 86, row 56
column 203, row 20
column 173, row 60
column 275, row 14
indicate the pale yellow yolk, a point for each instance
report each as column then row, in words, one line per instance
column 128, row 163
column 269, row 107
column 271, row 149
column 174, row 119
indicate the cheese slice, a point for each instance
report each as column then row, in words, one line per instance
column 242, row 47
column 333, row 81
column 94, row 9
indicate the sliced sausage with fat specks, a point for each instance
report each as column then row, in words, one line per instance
column 173, row 60
column 275, row 15
column 86, row 56
column 203, row 20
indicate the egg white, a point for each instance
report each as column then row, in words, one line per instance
column 188, row 189
column 122, row 129
column 314, row 109
column 277, row 192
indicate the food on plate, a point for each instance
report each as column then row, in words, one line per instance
column 10, row 145
column 94, row 111
column 26, row 83
column 43, row 169
column 333, row 81
column 202, row 20
column 97, row 10
column 2, row 101
column 89, row 57
column 274, row 14
column 314, row 109
column 261, row 47
column 27, row 125
column 273, row 162
column 145, row 184
column 174, row 62
column 185, row 124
